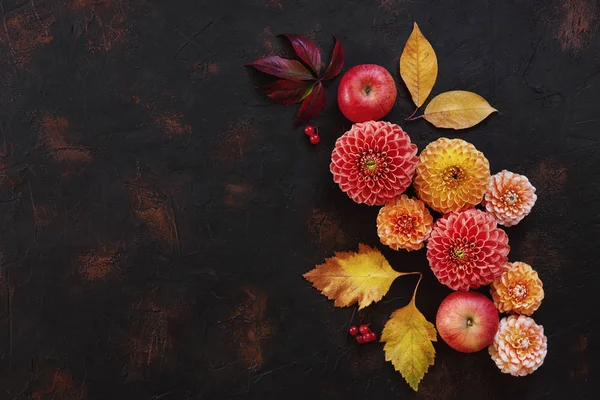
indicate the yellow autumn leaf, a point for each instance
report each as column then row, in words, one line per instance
column 457, row 109
column 349, row 278
column 408, row 338
column 418, row 66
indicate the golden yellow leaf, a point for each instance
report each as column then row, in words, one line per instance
column 418, row 66
column 457, row 109
column 408, row 338
column 348, row 278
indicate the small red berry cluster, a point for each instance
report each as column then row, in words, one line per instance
column 366, row 336
column 312, row 134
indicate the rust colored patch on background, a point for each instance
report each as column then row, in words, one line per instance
column 236, row 195
column 267, row 39
column 251, row 327
column 61, row 387
column 581, row 369
column 326, row 229
column 202, row 69
column 54, row 137
column 274, row 4
column 151, row 341
column 577, row 23
column 98, row 265
column 44, row 215
column 25, row 32
column 235, row 142
column 172, row 124
column 151, row 206
column 78, row 5
column 104, row 23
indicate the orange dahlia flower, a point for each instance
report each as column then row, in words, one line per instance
column 519, row 289
column 452, row 175
column 467, row 250
column 520, row 346
column 373, row 162
column 509, row 197
column 404, row 223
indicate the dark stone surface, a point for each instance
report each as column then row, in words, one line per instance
column 157, row 212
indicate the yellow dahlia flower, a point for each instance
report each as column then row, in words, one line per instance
column 404, row 223
column 452, row 175
column 519, row 289
column 520, row 346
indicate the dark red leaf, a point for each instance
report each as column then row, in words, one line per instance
column 337, row 61
column 307, row 50
column 282, row 68
column 312, row 105
column 288, row 92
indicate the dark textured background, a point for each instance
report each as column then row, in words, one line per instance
column 157, row 212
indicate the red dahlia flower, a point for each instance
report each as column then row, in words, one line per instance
column 374, row 162
column 467, row 250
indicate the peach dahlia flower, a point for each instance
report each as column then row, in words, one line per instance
column 509, row 198
column 520, row 346
column 519, row 289
column 404, row 223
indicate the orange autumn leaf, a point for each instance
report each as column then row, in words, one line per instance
column 418, row 66
column 349, row 278
column 408, row 338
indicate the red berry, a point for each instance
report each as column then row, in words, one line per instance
column 360, row 339
column 370, row 337
column 315, row 139
column 364, row 329
column 353, row 331
column 309, row 130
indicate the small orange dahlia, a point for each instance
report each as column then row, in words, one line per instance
column 519, row 289
column 509, row 198
column 404, row 223
column 374, row 162
column 467, row 250
column 452, row 175
column 520, row 346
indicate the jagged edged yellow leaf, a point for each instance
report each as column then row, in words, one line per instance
column 408, row 338
column 457, row 109
column 348, row 278
column 418, row 66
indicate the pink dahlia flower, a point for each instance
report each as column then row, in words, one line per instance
column 374, row 162
column 509, row 198
column 467, row 250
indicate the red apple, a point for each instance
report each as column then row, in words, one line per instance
column 467, row 321
column 367, row 93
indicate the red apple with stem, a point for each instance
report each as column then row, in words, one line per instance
column 467, row 321
column 367, row 93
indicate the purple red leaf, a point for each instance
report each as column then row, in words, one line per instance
column 307, row 50
column 288, row 92
column 282, row 68
column 337, row 61
column 312, row 105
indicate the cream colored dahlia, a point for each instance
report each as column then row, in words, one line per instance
column 404, row 223
column 509, row 198
column 374, row 162
column 452, row 175
column 518, row 290
column 520, row 346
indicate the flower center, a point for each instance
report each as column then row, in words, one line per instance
column 372, row 164
column 405, row 224
column 510, row 198
column 519, row 291
column 459, row 253
column 453, row 176
column 522, row 343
